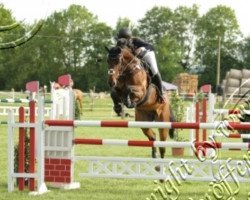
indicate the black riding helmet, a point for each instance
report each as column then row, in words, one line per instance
column 124, row 33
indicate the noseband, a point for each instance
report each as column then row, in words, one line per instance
column 119, row 58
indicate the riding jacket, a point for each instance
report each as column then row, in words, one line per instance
column 134, row 43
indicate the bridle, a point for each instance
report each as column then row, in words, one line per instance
column 122, row 68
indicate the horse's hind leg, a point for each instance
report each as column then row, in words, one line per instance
column 151, row 137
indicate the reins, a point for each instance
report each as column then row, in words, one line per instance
column 124, row 68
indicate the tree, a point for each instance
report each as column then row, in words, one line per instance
column 217, row 32
column 12, row 35
column 156, row 23
column 64, row 42
column 96, row 67
column 125, row 23
column 184, row 25
column 245, row 52
column 168, row 55
column 157, row 28
column 71, row 41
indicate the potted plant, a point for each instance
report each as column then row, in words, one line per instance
column 178, row 151
column 177, row 106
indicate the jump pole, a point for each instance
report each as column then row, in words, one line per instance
column 125, row 124
column 141, row 143
column 219, row 125
column 233, row 135
column 213, row 111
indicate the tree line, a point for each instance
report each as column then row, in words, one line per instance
column 73, row 41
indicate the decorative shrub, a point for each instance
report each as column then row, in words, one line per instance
column 177, row 106
column 78, row 110
column 26, row 154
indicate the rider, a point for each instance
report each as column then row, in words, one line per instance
column 145, row 52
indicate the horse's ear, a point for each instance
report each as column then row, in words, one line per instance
column 107, row 49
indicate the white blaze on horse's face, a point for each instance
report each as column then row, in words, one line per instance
column 112, row 79
column 113, row 72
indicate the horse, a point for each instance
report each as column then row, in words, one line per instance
column 130, row 80
column 78, row 94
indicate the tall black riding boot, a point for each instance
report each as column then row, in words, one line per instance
column 156, row 79
column 117, row 102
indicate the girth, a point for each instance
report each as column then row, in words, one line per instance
column 145, row 98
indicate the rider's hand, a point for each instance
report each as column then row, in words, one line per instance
column 140, row 52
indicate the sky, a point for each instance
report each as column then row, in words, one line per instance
column 109, row 11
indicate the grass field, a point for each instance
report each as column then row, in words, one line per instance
column 118, row 189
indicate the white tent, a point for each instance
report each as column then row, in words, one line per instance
column 168, row 86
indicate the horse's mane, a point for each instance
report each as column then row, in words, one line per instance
column 126, row 52
column 114, row 52
column 128, row 55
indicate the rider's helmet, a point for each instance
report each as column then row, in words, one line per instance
column 124, row 33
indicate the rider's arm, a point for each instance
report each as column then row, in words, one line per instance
column 137, row 42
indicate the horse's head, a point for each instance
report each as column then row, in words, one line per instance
column 126, row 73
column 114, row 62
column 119, row 59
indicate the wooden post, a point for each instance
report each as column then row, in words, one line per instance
column 21, row 149
column 32, row 146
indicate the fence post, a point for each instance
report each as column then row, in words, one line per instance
column 39, row 134
column 21, row 149
column 10, row 151
column 32, row 105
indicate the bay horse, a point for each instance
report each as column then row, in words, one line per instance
column 131, row 82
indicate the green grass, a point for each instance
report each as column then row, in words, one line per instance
column 114, row 189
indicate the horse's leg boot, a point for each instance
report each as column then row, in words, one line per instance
column 117, row 102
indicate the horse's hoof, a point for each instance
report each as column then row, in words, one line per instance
column 162, row 181
column 157, row 168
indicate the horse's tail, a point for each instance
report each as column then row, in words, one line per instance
column 172, row 119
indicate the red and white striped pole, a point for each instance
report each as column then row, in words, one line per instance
column 233, row 135
column 141, row 143
column 197, row 119
column 204, row 118
column 220, row 125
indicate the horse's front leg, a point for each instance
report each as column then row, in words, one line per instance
column 151, row 137
column 163, row 136
column 116, row 98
